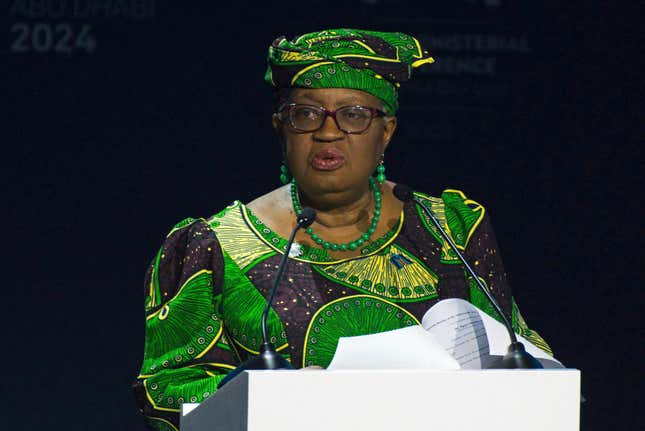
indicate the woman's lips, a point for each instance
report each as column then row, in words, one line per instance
column 328, row 159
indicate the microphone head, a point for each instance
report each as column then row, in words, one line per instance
column 402, row 192
column 306, row 217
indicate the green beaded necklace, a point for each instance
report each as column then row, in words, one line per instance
column 352, row 245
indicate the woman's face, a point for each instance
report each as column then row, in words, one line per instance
column 329, row 160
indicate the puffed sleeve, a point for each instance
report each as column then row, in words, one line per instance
column 187, row 351
column 483, row 253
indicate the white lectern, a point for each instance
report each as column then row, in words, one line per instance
column 352, row 400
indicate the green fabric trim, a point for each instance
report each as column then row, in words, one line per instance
column 377, row 275
column 160, row 424
column 237, row 239
column 522, row 328
column 153, row 299
column 479, row 300
column 183, row 328
column 242, row 299
column 437, row 207
column 379, row 242
column 336, row 76
column 182, row 224
column 462, row 216
column 458, row 216
column 313, row 254
column 310, row 253
column 168, row 389
column 346, row 317
column 260, row 259
column 434, row 207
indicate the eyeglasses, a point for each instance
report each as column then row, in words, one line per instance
column 349, row 119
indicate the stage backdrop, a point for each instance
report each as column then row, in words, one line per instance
column 125, row 117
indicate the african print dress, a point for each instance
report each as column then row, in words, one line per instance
column 206, row 287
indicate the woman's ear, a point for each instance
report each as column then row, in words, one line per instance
column 276, row 121
column 388, row 130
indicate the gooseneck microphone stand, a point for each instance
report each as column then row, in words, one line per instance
column 269, row 358
column 517, row 356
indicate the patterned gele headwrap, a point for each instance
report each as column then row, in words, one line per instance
column 371, row 61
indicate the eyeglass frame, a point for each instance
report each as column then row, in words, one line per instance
column 286, row 109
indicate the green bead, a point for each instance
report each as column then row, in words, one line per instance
column 284, row 174
column 380, row 168
column 365, row 237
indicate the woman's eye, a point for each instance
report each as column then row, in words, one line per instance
column 307, row 113
column 354, row 114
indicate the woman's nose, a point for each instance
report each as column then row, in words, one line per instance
column 329, row 130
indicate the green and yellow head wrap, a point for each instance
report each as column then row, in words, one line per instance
column 371, row 61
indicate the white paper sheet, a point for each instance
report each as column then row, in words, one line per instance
column 407, row 348
column 472, row 336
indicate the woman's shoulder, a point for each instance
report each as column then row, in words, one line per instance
column 455, row 211
column 273, row 206
column 451, row 197
column 237, row 218
column 245, row 232
column 235, row 232
column 192, row 229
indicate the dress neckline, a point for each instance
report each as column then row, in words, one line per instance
column 310, row 254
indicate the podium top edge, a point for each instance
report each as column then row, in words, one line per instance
column 420, row 371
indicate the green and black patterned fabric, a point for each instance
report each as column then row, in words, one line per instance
column 371, row 61
column 206, row 287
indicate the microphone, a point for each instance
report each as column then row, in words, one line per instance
column 517, row 356
column 269, row 359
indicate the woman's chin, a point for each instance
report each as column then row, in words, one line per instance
column 329, row 183
column 326, row 186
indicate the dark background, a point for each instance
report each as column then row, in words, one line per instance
column 137, row 114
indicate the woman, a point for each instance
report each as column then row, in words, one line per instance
column 369, row 263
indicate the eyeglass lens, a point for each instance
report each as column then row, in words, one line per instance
column 349, row 119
